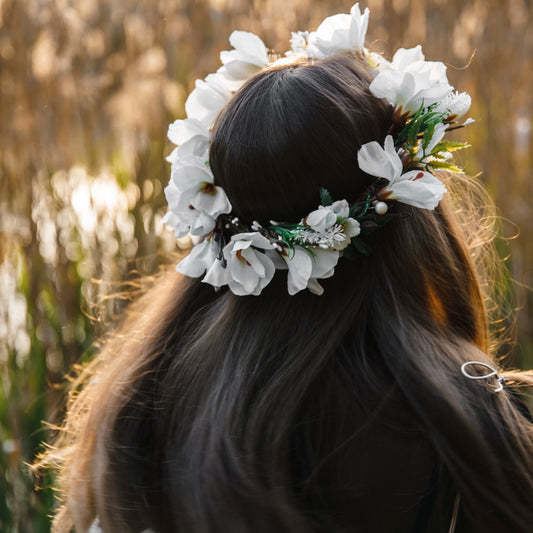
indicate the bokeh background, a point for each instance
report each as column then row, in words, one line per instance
column 87, row 89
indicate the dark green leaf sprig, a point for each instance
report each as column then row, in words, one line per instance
column 417, row 134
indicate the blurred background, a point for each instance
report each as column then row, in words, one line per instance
column 87, row 89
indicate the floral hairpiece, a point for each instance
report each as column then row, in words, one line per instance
column 246, row 258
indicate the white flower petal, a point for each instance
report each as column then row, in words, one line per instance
column 378, row 161
column 323, row 262
column 315, row 287
column 249, row 270
column 217, row 275
column 200, row 259
column 397, row 87
column 255, row 239
column 300, row 266
column 207, row 100
column 203, row 224
column 321, row 219
column 190, row 175
column 180, row 131
column 180, row 228
column 358, row 27
column 417, row 188
column 195, row 148
column 341, row 208
column 250, row 46
column 406, row 56
column 352, row 228
column 213, row 203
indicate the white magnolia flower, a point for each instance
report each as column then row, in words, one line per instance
column 456, row 105
column 305, row 269
column 201, row 258
column 180, row 131
column 207, row 99
column 410, row 81
column 407, row 91
column 343, row 32
column 201, row 205
column 249, row 270
column 193, row 197
column 250, row 56
column 416, row 187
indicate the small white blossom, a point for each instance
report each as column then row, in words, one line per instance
column 416, row 187
column 456, row 105
column 249, row 270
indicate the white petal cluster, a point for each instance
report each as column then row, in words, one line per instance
column 331, row 226
column 411, row 82
column 194, row 200
column 335, row 34
column 415, row 187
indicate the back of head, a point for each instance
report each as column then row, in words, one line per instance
column 292, row 129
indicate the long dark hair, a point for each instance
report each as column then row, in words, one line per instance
column 210, row 412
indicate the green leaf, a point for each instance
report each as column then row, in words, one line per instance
column 412, row 137
column 359, row 212
column 325, row 197
column 450, row 146
column 428, row 135
column 444, row 165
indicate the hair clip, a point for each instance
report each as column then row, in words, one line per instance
column 493, row 374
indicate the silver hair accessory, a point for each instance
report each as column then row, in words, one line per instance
column 493, row 374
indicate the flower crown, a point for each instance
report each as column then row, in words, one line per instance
column 246, row 258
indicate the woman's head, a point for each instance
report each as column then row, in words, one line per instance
column 296, row 127
column 292, row 129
